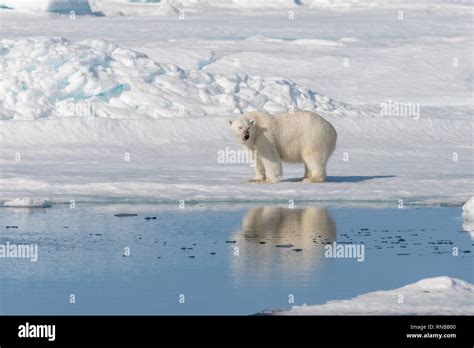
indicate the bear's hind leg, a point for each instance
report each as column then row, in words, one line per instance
column 316, row 167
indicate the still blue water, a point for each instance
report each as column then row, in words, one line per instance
column 219, row 260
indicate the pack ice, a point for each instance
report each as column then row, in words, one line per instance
column 42, row 75
column 431, row 296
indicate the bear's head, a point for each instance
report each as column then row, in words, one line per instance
column 244, row 130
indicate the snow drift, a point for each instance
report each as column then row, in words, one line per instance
column 431, row 296
column 54, row 77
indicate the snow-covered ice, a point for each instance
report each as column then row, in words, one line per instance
column 27, row 202
column 80, row 7
column 80, row 96
column 44, row 76
column 431, row 296
column 172, row 7
column 468, row 209
column 133, row 8
column 468, row 216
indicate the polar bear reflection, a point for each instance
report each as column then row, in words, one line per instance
column 266, row 227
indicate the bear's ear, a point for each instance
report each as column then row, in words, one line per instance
column 253, row 122
column 230, row 122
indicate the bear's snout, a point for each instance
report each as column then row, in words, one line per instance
column 246, row 134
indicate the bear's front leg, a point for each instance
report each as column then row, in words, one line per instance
column 269, row 156
column 259, row 171
column 273, row 167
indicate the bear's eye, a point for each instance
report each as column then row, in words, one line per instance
column 240, row 127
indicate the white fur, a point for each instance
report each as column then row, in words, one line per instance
column 301, row 136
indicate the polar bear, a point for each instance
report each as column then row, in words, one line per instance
column 300, row 136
